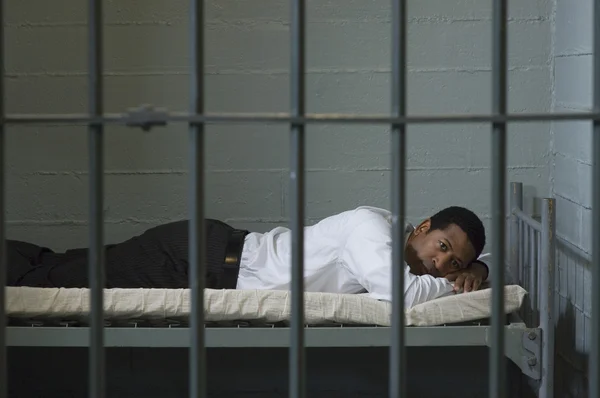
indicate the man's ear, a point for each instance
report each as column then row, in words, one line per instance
column 423, row 228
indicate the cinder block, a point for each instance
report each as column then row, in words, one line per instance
column 31, row 149
column 144, row 196
column 573, row 81
column 573, row 139
column 248, row 147
column 480, row 9
column 568, row 218
column 466, row 44
column 573, row 180
column 528, row 145
column 30, row 12
column 574, row 25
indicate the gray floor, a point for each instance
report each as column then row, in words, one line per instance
column 332, row 373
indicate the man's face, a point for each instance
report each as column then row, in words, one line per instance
column 440, row 251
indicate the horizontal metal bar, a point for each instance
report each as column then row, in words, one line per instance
column 269, row 118
column 576, row 250
column 530, row 221
column 444, row 336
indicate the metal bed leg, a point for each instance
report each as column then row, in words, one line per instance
column 516, row 202
column 97, row 371
column 297, row 343
column 546, row 285
column 397, row 377
column 497, row 373
column 197, row 255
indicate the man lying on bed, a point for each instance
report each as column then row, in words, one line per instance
column 346, row 253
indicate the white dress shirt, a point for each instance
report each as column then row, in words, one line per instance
column 350, row 252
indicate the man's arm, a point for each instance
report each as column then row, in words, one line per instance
column 367, row 255
column 485, row 261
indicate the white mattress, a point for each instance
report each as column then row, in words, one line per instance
column 251, row 305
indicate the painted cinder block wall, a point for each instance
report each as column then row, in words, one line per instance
column 147, row 61
column 247, row 55
column 571, row 186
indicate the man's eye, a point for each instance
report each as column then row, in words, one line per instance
column 455, row 264
column 443, row 246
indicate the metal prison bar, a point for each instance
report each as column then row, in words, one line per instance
column 398, row 120
column 3, row 258
column 594, row 366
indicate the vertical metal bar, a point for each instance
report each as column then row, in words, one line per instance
column 397, row 378
column 197, row 251
column 547, row 297
column 298, row 99
column 521, row 265
column 516, row 202
column 521, row 261
column 3, row 263
column 96, row 230
column 535, row 288
column 497, row 386
column 594, row 358
column 538, row 262
column 541, row 266
column 528, row 266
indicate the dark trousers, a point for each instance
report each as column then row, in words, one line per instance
column 158, row 258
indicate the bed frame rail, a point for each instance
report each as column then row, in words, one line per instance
column 532, row 265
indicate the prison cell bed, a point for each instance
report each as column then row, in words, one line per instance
column 260, row 318
column 156, row 307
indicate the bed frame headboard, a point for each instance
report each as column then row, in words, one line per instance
column 532, row 265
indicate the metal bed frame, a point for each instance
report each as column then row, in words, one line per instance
column 521, row 344
column 530, row 347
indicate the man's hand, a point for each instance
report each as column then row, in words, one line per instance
column 469, row 279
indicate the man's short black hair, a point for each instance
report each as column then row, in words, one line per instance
column 466, row 220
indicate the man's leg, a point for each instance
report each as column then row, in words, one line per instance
column 151, row 259
column 172, row 241
column 157, row 258
column 23, row 261
column 138, row 262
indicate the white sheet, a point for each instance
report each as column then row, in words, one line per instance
column 251, row 305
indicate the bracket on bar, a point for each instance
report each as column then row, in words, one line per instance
column 523, row 346
column 146, row 117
